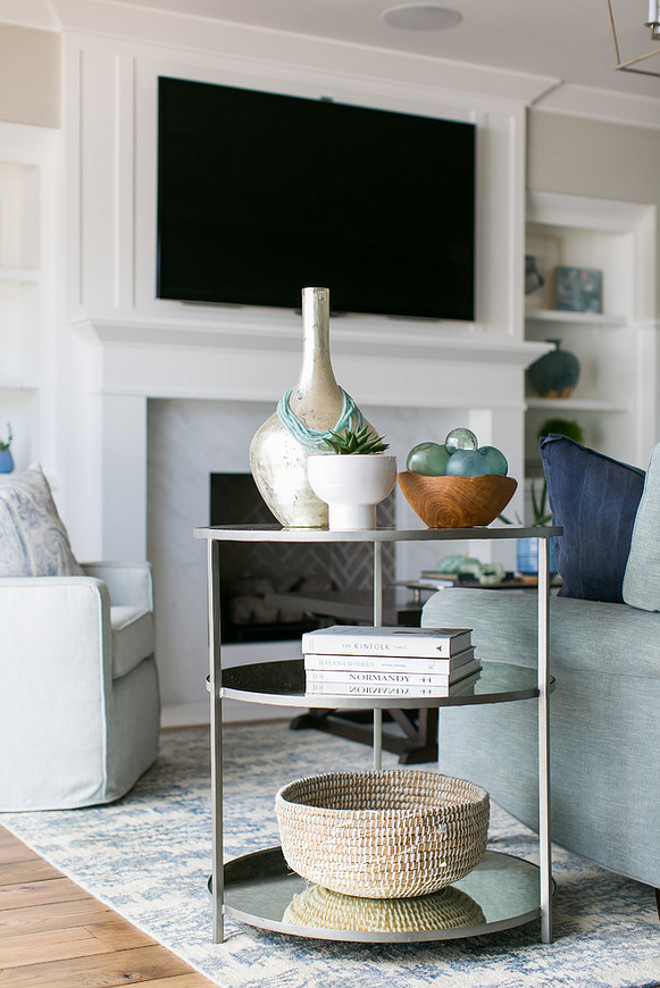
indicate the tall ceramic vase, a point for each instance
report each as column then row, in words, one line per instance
column 313, row 406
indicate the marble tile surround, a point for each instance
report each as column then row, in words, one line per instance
column 189, row 439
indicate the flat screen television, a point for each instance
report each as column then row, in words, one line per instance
column 261, row 195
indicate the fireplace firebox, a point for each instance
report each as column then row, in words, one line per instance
column 256, row 579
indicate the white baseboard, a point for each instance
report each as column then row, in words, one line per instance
column 185, row 715
column 197, row 714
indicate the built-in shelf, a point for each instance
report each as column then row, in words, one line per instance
column 559, row 405
column 614, row 399
column 26, row 307
column 576, row 318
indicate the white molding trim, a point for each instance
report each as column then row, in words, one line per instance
column 178, row 716
column 370, row 337
column 27, row 142
column 36, row 14
column 566, row 209
column 211, row 35
column 601, row 104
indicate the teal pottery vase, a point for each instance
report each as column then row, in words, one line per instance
column 6, row 461
column 555, row 374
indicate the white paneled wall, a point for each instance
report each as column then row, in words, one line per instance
column 211, row 367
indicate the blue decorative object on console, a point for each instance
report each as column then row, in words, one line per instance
column 527, row 556
column 595, row 498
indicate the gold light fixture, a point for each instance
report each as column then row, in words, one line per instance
column 653, row 23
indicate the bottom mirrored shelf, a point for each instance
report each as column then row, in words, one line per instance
column 502, row 892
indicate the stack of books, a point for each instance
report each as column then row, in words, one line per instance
column 347, row 660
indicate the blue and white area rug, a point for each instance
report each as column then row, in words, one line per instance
column 148, row 857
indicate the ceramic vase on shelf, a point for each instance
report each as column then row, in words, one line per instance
column 6, row 461
column 314, row 405
column 555, row 374
column 527, row 556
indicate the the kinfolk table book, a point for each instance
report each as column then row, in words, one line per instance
column 367, row 640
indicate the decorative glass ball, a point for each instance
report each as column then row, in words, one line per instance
column 497, row 461
column 461, row 439
column 467, row 463
column 428, row 458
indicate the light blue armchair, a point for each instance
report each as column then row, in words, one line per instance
column 79, row 699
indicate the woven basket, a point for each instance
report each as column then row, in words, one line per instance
column 444, row 910
column 382, row 835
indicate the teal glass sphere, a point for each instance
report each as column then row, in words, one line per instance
column 467, row 463
column 461, row 439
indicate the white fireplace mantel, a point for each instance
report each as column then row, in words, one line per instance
column 367, row 335
column 241, row 358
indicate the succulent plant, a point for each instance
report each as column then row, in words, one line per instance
column 363, row 440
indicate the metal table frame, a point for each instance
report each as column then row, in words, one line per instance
column 215, row 535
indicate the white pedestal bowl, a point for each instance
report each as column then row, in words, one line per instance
column 351, row 485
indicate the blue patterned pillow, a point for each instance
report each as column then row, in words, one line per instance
column 33, row 539
column 595, row 499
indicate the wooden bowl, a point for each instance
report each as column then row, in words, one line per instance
column 457, row 502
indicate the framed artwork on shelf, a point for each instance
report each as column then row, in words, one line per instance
column 578, row 289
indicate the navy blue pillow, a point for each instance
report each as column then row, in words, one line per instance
column 595, row 499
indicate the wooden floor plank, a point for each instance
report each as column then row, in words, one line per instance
column 39, row 893
column 119, row 934
column 54, row 916
column 20, row 872
column 11, row 849
column 126, row 967
column 54, row 945
column 50, row 928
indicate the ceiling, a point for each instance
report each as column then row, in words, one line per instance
column 567, row 40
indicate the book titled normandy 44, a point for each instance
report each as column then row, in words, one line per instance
column 416, row 691
column 343, row 639
column 345, row 677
